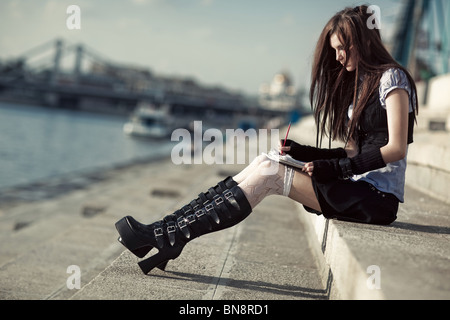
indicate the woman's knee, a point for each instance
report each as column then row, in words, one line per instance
column 261, row 158
column 270, row 167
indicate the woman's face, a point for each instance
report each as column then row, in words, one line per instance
column 341, row 55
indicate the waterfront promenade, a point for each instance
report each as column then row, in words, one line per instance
column 279, row 253
column 267, row 257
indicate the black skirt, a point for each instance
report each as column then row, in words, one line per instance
column 356, row 201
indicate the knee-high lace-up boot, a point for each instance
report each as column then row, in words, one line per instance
column 222, row 206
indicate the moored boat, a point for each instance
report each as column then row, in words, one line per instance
column 148, row 122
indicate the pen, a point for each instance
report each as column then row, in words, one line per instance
column 287, row 134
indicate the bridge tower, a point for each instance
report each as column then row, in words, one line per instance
column 421, row 41
column 57, row 61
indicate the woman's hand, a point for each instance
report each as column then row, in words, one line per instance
column 308, row 168
column 283, row 150
column 286, row 149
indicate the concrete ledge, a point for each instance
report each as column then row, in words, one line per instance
column 438, row 95
column 345, row 277
column 429, row 165
column 410, row 259
column 432, row 120
column 430, row 180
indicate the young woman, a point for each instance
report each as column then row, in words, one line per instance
column 359, row 95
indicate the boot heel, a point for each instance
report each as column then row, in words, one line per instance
column 162, row 266
column 160, row 259
column 149, row 264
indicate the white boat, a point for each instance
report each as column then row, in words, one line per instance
column 148, row 122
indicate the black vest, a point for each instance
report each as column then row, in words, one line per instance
column 373, row 126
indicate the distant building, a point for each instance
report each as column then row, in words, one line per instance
column 280, row 94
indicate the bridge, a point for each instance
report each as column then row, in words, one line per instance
column 421, row 42
column 75, row 76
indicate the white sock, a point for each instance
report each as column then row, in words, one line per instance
column 267, row 178
column 241, row 176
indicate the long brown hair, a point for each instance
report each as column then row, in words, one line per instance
column 333, row 88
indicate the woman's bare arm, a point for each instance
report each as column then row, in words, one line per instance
column 397, row 108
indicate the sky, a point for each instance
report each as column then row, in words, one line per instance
column 236, row 44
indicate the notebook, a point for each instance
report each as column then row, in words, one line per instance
column 284, row 159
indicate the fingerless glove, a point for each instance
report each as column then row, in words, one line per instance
column 307, row 153
column 344, row 168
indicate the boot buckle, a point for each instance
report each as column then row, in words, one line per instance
column 159, row 241
column 171, row 228
column 212, row 213
column 158, row 232
column 182, row 223
column 190, row 219
column 228, row 194
column 218, row 201
column 200, row 213
column 231, row 199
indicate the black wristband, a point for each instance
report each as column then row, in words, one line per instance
column 345, row 168
column 368, row 160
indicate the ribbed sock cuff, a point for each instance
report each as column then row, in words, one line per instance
column 288, row 177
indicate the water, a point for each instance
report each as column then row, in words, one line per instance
column 38, row 143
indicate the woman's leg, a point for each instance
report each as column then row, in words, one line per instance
column 264, row 180
column 302, row 191
column 264, row 177
column 223, row 206
column 241, row 176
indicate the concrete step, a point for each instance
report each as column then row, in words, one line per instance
column 78, row 228
column 266, row 257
